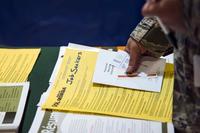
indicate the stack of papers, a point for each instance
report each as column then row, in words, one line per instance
column 16, row 64
column 58, row 122
column 72, row 89
column 12, row 103
column 15, row 67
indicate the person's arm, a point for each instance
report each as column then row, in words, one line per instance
column 149, row 34
column 146, row 38
column 191, row 12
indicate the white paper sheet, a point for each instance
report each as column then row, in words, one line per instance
column 111, row 64
column 57, row 122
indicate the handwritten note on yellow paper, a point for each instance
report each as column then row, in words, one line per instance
column 16, row 64
column 74, row 91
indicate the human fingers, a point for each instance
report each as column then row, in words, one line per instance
column 133, row 63
column 134, row 52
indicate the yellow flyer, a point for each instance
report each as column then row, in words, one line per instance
column 16, row 64
column 74, row 91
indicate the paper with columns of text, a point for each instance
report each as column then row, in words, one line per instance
column 58, row 122
column 16, row 64
column 73, row 90
column 12, row 103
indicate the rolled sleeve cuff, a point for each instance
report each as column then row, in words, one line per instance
column 142, row 28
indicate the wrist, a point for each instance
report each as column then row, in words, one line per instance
column 141, row 49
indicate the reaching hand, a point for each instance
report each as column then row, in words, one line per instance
column 135, row 50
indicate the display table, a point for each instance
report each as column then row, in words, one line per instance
column 39, row 82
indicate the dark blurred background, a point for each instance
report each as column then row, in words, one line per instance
column 57, row 22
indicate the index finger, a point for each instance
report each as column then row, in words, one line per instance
column 134, row 57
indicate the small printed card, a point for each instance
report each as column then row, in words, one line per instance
column 111, row 67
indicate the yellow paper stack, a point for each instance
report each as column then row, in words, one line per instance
column 74, row 91
column 16, row 64
column 15, row 67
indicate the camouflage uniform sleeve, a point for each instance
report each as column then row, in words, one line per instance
column 192, row 18
column 151, row 37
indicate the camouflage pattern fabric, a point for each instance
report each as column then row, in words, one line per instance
column 186, row 114
column 149, row 34
column 186, row 100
